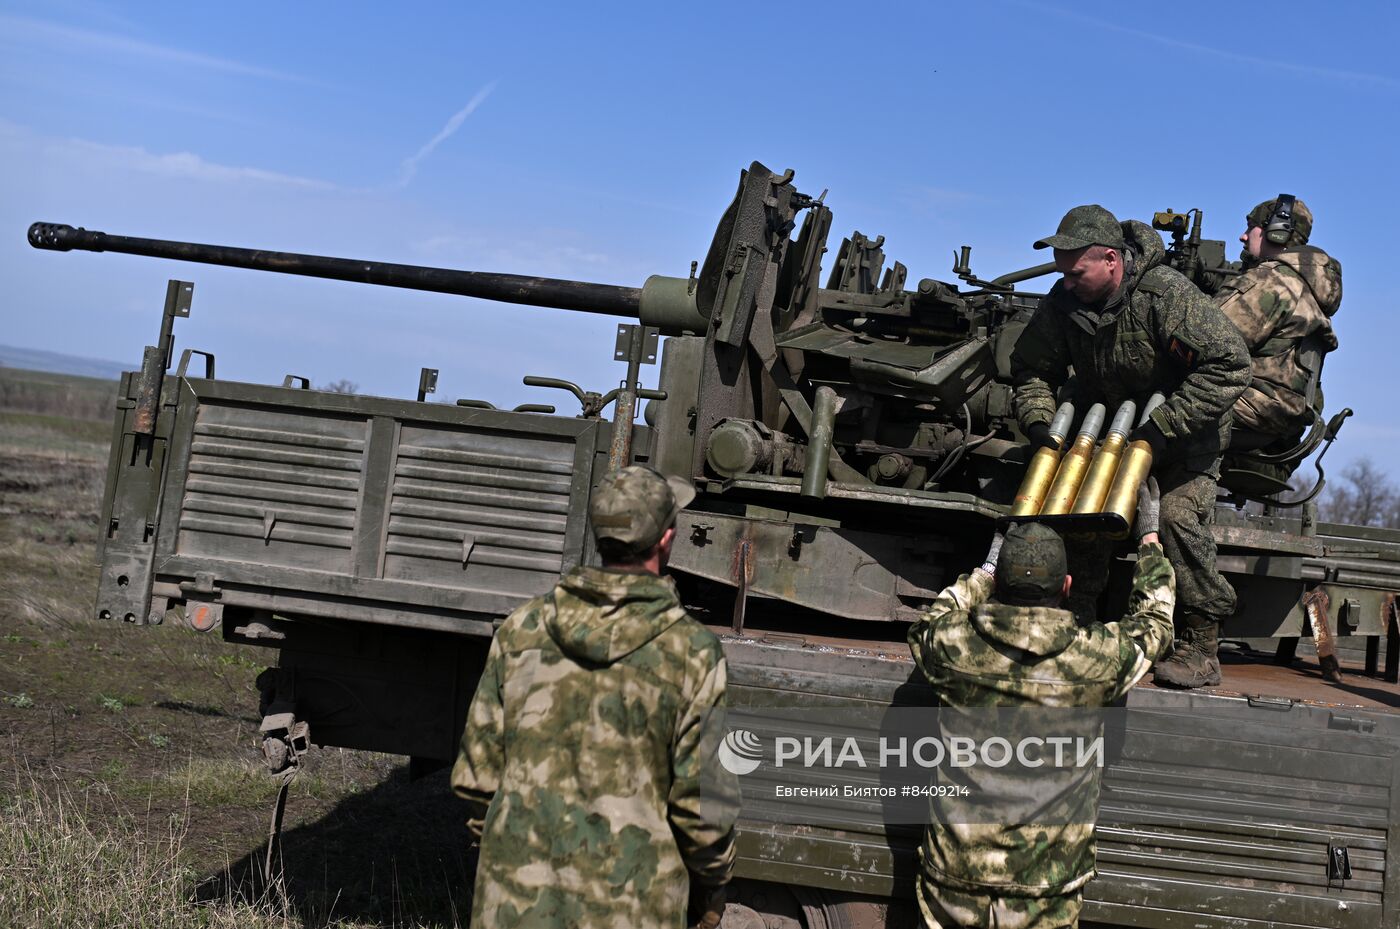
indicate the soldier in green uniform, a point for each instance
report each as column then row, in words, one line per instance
column 593, row 730
column 1128, row 326
column 1284, row 300
column 1021, row 649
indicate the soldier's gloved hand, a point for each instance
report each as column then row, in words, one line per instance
column 1149, row 433
column 1149, row 509
column 989, row 565
column 713, row 908
column 1039, row 434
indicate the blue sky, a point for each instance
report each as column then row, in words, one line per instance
column 602, row 141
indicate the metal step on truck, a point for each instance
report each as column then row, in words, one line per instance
column 852, row 443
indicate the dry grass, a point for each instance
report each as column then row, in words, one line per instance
column 63, row 395
column 132, row 793
column 63, row 866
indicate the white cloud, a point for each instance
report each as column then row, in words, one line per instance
column 171, row 165
column 23, row 30
column 410, row 165
column 188, row 165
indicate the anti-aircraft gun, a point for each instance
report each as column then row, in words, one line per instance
column 853, row 444
column 860, row 404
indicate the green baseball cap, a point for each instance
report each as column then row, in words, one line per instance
column 636, row 506
column 1302, row 219
column 1083, row 226
column 1031, row 567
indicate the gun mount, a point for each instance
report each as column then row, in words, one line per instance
column 910, row 375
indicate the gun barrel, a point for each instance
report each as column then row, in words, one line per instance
column 580, row 296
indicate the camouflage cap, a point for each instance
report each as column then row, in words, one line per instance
column 1031, row 569
column 1083, row 226
column 636, row 506
column 1302, row 219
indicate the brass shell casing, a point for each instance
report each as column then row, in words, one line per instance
column 1039, row 474
column 1132, row 471
column 1070, row 475
column 1094, row 490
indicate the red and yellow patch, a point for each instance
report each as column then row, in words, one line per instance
column 1182, row 351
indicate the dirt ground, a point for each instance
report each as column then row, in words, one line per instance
column 158, row 725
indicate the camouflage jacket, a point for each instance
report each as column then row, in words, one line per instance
column 591, row 734
column 1157, row 333
column 1276, row 305
column 980, row 654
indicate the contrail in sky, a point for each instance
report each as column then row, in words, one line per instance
column 410, row 165
column 67, row 38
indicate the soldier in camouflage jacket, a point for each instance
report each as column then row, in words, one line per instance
column 1019, row 649
column 1286, row 296
column 589, row 755
column 1128, row 326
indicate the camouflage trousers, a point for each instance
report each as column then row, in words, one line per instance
column 1188, row 512
column 945, row 908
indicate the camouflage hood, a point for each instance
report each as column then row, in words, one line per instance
column 1146, row 247
column 1036, row 630
column 602, row 616
column 1321, row 271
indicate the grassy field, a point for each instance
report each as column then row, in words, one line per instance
column 132, row 790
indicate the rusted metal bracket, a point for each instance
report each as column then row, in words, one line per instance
column 136, row 474
column 637, row 345
column 743, row 576
column 178, row 297
column 1315, row 605
column 1390, row 629
column 285, row 740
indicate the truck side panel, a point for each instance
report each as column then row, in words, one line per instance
column 370, row 509
column 1244, row 843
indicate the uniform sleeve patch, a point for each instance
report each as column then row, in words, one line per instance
column 1183, row 351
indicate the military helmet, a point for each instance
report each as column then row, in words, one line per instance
column 1301, row 220
column 1031, row 568
column 635, row 507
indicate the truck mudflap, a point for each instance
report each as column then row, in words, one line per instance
column 341, row 507
column 1292, row 824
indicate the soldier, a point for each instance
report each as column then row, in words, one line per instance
column 1129, row 325
column 592, row 727
column 1285, row 298
column 1020, row 649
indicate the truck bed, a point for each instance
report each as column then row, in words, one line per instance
column 1307, row 771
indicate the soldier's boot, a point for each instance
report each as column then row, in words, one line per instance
column 1194, row 663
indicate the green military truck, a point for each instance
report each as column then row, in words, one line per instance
column 852, row 444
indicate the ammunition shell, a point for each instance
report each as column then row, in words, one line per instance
column 1036, row 483
column 1070, row 475
column 1041, row 471
column 1075, row 465
column 1094, row 490
column 1132, row 471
